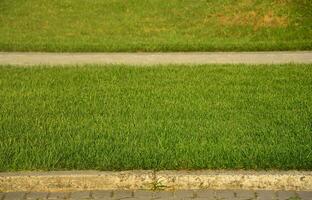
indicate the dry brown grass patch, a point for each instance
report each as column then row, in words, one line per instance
column 253, row 18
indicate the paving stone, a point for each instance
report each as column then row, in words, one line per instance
column 139, row 198
column 143, row 194
column 285, row 195
column 58, row 195
column 132, row 198
column 80, row 195
column 120, row 194
column 164, row 198
column 1, row 195
column 184, row 194
column 266, row 195
column 37, row 195
column 305, row 195
column 225, row 194
column 205, row 194
column 245, row 194
column 163, row 195
column 15, row 195
column 102, row 194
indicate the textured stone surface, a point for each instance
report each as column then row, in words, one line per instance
column 32, row 58
column 169, row 180
column 206, row 184
column 75, row 181
column 248, row 180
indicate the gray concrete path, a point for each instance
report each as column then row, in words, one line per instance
column 162, row 195
column 31, row 58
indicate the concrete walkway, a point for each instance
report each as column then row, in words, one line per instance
column 31, row 58
column 161, row 195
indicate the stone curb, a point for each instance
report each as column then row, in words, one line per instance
column 247, row 180
column 37, row 58
column 75, row 181
column 62, row 181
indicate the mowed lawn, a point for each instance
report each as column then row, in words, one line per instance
column 155, row 25
column 161, row 117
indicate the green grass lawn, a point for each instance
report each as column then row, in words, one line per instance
column 155, row 25
column 165, row 117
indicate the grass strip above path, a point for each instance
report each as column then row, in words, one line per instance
column 156, row 25
column 165, row 117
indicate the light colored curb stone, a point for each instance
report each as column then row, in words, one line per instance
column 226, row 180
column 75, row 181
column 274, row 57
column 147, row 180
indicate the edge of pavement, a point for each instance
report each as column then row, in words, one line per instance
column 64, row 181
column 158, row 58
